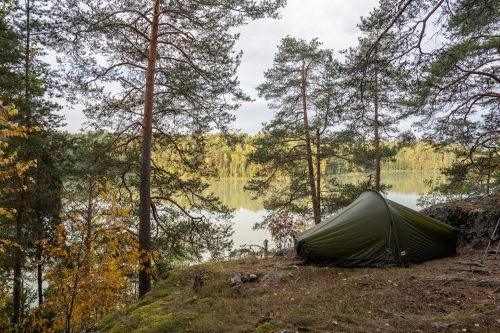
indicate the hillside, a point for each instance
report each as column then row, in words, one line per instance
column 451, row 294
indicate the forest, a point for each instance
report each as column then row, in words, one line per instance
column 90, row 222
column 230, row 159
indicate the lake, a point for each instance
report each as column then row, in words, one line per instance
column 406, row 187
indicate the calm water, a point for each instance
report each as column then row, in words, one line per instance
column 406, row 187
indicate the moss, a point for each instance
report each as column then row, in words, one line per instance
column 106, row 321
column 129, row 309
column 174, row 325
column 205, row 300
column 268, row 327
column 146, row 311
column 114, row 317
column 302, row 320
column 130, row 325
column 191, row 300
column 162, row 293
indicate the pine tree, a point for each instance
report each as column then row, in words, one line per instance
column 303, row 89
column 28, row 84
column 453, row 80
column 376, row 89
column 175, row 67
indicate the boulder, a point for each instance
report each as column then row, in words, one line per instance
column 273, row 276
column 198, row 282
column 235, row 280
column 474, row 217
column 290, row 251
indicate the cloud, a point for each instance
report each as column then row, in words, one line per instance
column 334, row 22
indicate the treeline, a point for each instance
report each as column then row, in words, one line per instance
column 230, row 158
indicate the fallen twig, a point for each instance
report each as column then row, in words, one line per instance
column 387, row 312
column 490, row 311
column 289, row 264
column 483, row 283
column 471, row 263
column 477, row 264
column 473, row 271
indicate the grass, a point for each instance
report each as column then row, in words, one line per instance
column 318, row 299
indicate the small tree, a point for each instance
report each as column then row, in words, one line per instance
column 91, row 266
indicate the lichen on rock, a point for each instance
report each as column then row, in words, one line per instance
column 474, row 217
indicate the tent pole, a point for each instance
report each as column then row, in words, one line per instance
column 489, row 243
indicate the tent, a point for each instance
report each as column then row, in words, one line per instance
column 374, row 231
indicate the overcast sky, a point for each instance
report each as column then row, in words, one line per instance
column 332, row 21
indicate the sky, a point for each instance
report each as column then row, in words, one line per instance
column 333, row 22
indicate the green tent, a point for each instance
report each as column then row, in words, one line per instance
column 374, row 231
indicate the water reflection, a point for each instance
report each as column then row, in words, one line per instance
column 406, row 187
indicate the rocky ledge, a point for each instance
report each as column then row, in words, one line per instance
column 474, row 217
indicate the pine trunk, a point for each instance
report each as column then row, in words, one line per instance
column 488, row 177
column 39, row 274
column 318, row 170
column 18, row 256
column 312, row 181
column 145, row 172
column 376, row 139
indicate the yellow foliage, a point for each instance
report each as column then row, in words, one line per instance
column 11, row 167
column 92, row 266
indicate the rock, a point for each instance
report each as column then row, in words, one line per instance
column 240, row 288
column 474, row 217
column 442, row 325
column 245, row 278
column 285, row 252
column 236, row 280
column 253, row 278
column 270, row 320
column 198, row 282
column 273, row 276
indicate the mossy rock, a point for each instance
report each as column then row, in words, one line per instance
column 269, row 327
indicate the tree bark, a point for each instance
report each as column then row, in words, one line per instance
column 312, row 181
column 18, row 255
column 39, row 274
column 16, row 292
column 376, row 139
column 318, row 170
column 27, row 64
column 88, row 236
column 488, row 177
column 145, row 172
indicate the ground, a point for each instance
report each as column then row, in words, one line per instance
column 454, row 294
